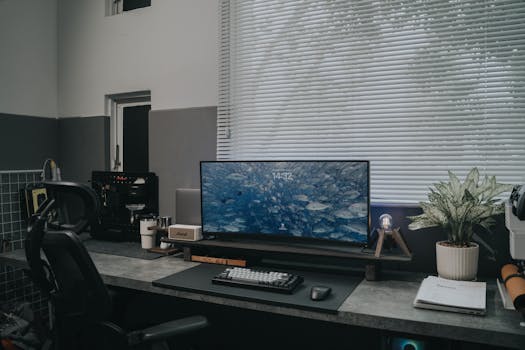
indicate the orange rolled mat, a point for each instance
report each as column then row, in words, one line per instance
column 515, row 285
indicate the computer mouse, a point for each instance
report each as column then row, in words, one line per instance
column 318, row 293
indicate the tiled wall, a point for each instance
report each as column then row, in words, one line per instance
column 13, row 224
column 15, row 287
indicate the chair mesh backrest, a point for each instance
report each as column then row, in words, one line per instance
column 75, row 285
column 77, row 205
column 80, row 289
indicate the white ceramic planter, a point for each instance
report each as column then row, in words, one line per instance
column 457, row 263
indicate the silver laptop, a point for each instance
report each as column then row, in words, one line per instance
column 188, row 206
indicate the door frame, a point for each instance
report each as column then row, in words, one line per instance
column 115, row 104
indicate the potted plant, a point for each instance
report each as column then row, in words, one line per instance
column 457, row 208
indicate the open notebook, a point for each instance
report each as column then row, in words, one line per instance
column 448, row 295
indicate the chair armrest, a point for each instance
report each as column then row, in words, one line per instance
column 168, row 329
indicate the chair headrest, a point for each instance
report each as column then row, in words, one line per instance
column 57, row 190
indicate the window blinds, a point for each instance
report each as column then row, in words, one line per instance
column 416, row 87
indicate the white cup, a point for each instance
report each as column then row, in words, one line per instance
column 147, row 235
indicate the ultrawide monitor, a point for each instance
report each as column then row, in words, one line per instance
column 297, row 200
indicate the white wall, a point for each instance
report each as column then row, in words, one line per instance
column 170, row 48
column 28, row 57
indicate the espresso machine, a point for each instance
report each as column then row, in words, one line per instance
column 125, row 199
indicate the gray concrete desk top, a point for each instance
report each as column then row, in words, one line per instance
column 385, row 304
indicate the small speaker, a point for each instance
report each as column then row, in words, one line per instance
column 180, row 232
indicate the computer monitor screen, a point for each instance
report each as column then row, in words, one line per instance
column 298, row 200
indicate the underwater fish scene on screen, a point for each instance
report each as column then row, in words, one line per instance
column 313, row 199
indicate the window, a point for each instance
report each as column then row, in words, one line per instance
column 114, row 7
column 416, row 87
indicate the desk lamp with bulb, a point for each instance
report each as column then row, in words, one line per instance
column 385, row 223
column 384, row 231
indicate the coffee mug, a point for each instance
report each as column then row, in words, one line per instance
column 147, row 235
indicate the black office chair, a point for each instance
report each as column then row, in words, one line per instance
column 82, row 305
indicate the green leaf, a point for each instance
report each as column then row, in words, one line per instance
column 433, row 214
column 455, row 184
column 487, row 224
column 420, row 223
column 468, row 197
column 471, row 181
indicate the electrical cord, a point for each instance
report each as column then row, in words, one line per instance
column 55, row 170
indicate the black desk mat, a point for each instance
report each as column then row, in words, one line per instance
column 198, row 279
column 128, row 249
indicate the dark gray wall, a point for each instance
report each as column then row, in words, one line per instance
column 26, row 142
column 178, row 140
column 83, row 146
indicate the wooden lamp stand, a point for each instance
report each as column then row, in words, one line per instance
column 396, row 235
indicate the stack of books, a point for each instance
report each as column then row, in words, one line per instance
column 448, row 295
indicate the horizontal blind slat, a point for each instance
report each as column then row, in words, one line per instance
column 418, row 88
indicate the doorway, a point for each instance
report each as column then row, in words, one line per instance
column 135, row 141
column 129, row 113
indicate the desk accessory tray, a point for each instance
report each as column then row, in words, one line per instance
column 167, row 251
